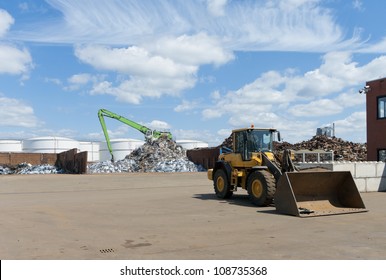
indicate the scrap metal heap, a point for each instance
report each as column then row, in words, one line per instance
column 27, row 168
column 343, row 150
column 164, row 155
column 160, row 155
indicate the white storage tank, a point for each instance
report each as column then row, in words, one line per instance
column 192, row 144
column 49, row 144
column 121, row 148
column 8, row 146
column 92, row 149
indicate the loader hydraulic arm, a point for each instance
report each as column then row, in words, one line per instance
column 149, row 134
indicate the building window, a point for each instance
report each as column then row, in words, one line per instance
column 382, row 107
column 382, row 155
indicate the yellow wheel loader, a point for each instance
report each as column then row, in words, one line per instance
column 271, row 178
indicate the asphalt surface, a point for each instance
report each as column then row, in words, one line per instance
column 170, row 216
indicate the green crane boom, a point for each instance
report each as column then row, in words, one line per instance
column 150, row 134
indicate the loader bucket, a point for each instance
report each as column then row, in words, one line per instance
column 308, row 194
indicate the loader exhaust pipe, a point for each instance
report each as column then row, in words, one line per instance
column 308, row 194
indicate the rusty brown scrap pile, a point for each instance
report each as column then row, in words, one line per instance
column 343, row 150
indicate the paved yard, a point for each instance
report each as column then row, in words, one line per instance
column 169, row 216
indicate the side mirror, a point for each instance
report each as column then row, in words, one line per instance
column 278, row 136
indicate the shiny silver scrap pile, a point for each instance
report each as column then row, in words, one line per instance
column 26, row 168
column 161, row 155
column 5, row 170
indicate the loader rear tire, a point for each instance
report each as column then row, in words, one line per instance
column 221, row 184
column 261, row 187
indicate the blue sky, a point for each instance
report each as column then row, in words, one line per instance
column 197, row 68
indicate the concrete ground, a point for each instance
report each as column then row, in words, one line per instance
column 169, row 216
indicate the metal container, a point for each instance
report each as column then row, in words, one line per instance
column 191, row 144
column 92, row 149
column 7, row 146
column 50, row 144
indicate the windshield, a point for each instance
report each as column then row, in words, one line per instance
column 259, row 140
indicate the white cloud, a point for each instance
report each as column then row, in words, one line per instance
column 192, row 134
column 350, row 99
column 24, row 6
column 147, row 74
column 132, row 60
column 317, row 108
column 55, row 81
column 354, row 124
column 215, row 95
column 123, row 92
column 358, row 5
column 288, row 101
column 212, row 113
column 102, row 88
column 168, row 66
column 196, row 49
column 264, row 119
column 224, row 133
column 133, row 90
column 13, row 60
column 159, row 125
column 75, row 82
column 120, row 131
column 15, row 113
column 217, row 7
column 6, row 20
column 80, row 79
column 186, row 105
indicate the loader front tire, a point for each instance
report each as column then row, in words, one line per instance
column 261, row 187
column 221, row 184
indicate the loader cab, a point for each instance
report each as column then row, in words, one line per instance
column 251, row 140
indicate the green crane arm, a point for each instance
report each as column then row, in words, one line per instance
column 149, row 134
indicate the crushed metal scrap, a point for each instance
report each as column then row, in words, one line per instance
column 26, row 168
column 343, row 150
column 161, row 155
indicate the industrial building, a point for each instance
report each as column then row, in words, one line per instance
column 376, row 119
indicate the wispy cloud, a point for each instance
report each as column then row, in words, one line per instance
column 241, row 25
column 358, row 5
column 217, row 7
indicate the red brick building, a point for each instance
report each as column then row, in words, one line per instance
column 376, row 119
